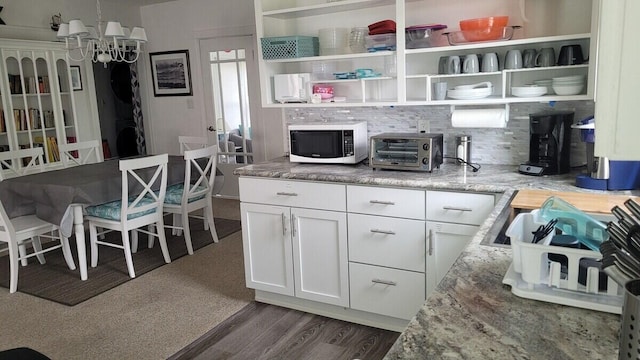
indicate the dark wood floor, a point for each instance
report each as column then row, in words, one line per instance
column 261, row 331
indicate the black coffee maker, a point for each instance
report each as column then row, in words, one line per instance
column 550, row 143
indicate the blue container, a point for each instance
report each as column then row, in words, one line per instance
column 624, row 175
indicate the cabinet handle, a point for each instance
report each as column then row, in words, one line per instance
column 456, row 208
column 382, row 202
column 384, row 282
column 284, row 225
column 430, row 242
column 286, row 193
column 293, row 224
column 386, row 232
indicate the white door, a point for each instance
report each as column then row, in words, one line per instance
column 228, row 67
column 445, row 243
column 266, row 242
column 321, row 268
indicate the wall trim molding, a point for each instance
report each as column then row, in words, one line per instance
column 246, row 30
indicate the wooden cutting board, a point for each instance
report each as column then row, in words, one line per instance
column 587, row 202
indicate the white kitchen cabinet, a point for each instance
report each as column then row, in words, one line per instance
column 38, row 107
column 616, row 110
column 415, row 70
column 293, row 251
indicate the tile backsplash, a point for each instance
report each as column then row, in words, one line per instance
column 505, row 146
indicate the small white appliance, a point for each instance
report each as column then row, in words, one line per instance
column 292, row 88
column 328, row 143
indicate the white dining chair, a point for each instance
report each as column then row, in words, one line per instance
column 19, row 232
column 136, row 212
column 183, row 199
column 192, row 143
column 80, row 153
column 21, row 162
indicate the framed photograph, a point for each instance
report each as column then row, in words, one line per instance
column 76, row 78
column 171, row 74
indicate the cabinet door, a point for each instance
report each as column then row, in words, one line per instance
column 445, row 243
column 320, row 256
column 616, row 107
column 266, row 240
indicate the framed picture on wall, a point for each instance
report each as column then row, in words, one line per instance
column 171, row 74
column 76, row 78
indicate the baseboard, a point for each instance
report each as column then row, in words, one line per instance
column 332, row 311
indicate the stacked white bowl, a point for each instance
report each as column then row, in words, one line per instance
column 333, row 41
column 568, row 85
column 546, row 83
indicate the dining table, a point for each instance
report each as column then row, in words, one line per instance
column 60, row 196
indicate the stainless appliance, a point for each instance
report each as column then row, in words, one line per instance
column 406, row 151
column 550, row 143
column 328, row 143
column 292, row 88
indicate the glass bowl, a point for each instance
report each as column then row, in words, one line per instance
column 473, row 36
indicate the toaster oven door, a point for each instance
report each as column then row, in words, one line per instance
column 396, row 153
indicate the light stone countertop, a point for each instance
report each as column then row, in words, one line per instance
column 472, row 315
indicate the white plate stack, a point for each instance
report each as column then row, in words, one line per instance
column 546, row 83
column 470, row 92
column 333, row 41
column 528, row 91
column 568, row 85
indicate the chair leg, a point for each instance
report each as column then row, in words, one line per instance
column 93, row 238
column 177, row 223
column 13, row 265
column 187, row 232
column 66, row 251
column 150, row 238
column 127, row 253
column 134, row 241
column 22, row 250
column 37, row 248
column 162, row 239
column 208, row 211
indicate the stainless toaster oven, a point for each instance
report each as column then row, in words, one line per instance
column 406, row 151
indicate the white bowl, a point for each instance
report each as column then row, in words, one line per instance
column 469, row 94
column 568, row 89
column 528, row 91
column 569, row 78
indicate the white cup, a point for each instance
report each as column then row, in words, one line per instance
column 490, row 62
column 470, row 64
column 439, row 90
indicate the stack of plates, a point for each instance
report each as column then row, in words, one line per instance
column 528, row 91
column 547, row 83
column 470, row 92
column 568, row 85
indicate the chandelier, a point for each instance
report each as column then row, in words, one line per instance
column 114, row 44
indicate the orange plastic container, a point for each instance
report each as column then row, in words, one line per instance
column 484, row 23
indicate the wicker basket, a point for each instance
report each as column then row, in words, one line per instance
column 286, row 47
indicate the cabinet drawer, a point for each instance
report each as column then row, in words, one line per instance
column 403, row 203
column 391, row 242
column 461, row 208
column 385, row 291
column 293, row 193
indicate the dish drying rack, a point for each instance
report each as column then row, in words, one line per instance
column 533, row 275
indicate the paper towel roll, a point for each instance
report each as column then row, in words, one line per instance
column 479, row 118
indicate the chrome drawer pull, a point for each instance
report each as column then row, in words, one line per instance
column 456, row 208
column 382, row 202
column 386, row 232
column 286, row 193
column 384, row 282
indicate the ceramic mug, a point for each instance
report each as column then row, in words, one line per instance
column 513, row 59
column 453, row 64
column 490, row 62
column 439, row 91
column 529, row 58
column 471, row 64
column 545, row 57
column 442, row 65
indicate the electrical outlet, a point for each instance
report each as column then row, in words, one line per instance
column 423, row 126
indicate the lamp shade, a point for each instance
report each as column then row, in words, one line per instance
column 63, row 31
column 114, row 29
column 138, row 34
column 77, row 28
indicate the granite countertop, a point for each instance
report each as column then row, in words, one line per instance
column 472, row 315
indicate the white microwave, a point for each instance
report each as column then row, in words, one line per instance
column 328, row 143
column 292, row 87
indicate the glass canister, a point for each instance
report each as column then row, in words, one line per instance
column 572, row 221
column 356, row 39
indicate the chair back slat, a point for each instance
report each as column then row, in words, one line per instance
column 81, row 153
column 199, row 182
column 192, row 143
column 12, row 163
column 146, row 179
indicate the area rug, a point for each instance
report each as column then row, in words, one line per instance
column 54, row 281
